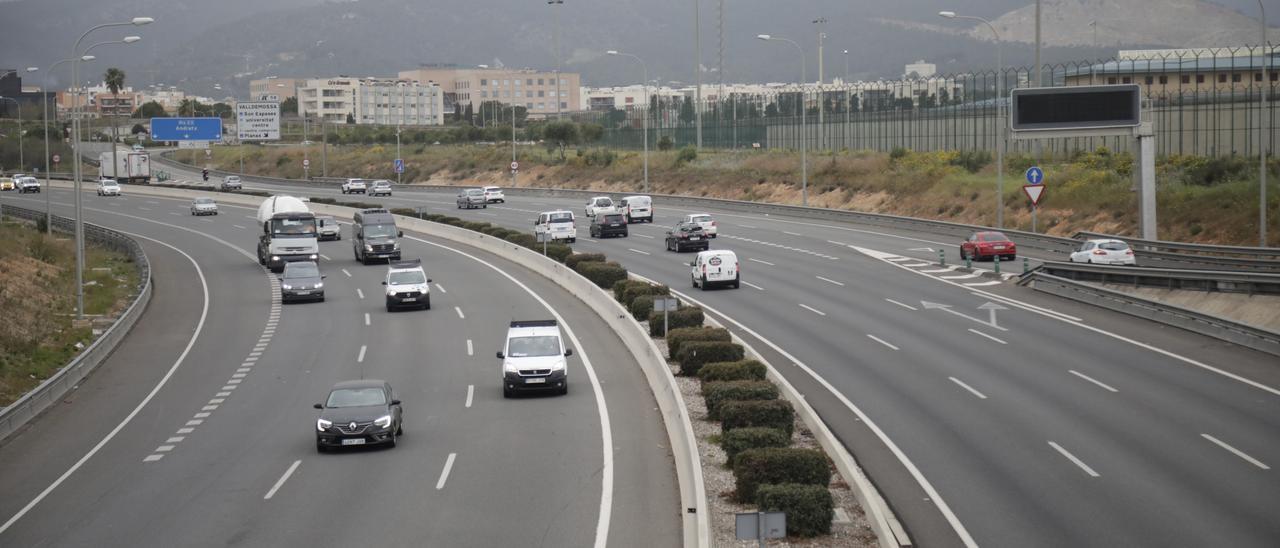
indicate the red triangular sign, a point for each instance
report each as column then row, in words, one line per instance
column 1033, row 192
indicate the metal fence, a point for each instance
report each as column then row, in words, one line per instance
column 1201, row 102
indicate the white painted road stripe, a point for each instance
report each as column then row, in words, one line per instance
column 915, row 265
column 1237, row 452
column 881, row 341
column 366, row 318
column 237, row 226
column 1091, row 379
column 903, row 305
column 637, row 251
column 441, row 288
column 643, row 236
column 282, row 479
column 470, row 350
column 791, row 233
column 976, row 332
column 812, row 309
column 471, row 390
column 841, row 244
column 981, row 284
column 967, row 387
column 961, row 276
column 1073, row 458
column 830, row 281
column 360, row 293
column 939, row 270
column 444, row 474
column 344, row 271
column 749, row 284
column 152, row 458
column 360, row 358
column 325, row 257
column 748, row 226
column 760, row 261
column 460, row 314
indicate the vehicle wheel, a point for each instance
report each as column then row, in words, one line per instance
column 426, row 305
column 573, row 240
column 320, row 448
column 564, row 390
column 506, row 392
column 391, row 444
column 338, row 237
column 737, row 282
column 389, row 309
column 486, row 206
column 704, row 283
column 693, row 281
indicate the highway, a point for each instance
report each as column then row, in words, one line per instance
column 198, row 430
column 1057, row 425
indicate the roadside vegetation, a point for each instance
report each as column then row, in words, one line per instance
column 37, row 295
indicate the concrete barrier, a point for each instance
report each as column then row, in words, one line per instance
column 53, row 389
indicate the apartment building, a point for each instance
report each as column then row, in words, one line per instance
column 535, row 90
column 274, row 88
column 389, row 101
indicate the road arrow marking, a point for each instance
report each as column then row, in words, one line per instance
column 947, row 308
column 992, row 308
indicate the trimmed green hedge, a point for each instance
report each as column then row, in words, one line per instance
column 630, row 293
column 572, row 261
column 690, row 316
column 404, row 211
column 741, row 439
column 676, row 337
column 718, row 393
column 559, row 252
column 641, row 307
column 745, row 370
column 809, row 508
column 475, row 226
column 767, row 413
column 694, row 354
column 621, row 287
column 445, row 219
column 601, row 273
column 521, row 239
column 774, row 465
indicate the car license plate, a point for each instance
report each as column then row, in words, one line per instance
column 409, row 299
column 615, row 225
column 536, row 380
column 302, row 292
column 691, row 238
column 353, row 441
column 999, row 247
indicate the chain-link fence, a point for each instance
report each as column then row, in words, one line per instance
column 1202, row 102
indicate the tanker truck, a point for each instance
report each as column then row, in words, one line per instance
column 288, row 232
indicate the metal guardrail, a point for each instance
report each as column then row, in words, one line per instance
column 1207, row 324
column 52, row 390
column 1199, row 280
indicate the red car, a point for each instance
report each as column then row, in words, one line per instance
column 988, row 245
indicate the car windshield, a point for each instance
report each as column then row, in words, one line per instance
column 492, row 189
column 603, row 202
column 407, row 277
column 475, row 192
column 530, row 347
column 233, row 179
column 992, row 237
column 301, row 270
column 356, row 397
column 638, row 202
column 561, row 217
column 293, row 227
column 701, row 218
column 325, row 221
column 204, row 201
column 1114, row 246
column 611, row 218
column 379, row 231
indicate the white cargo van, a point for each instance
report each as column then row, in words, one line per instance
column 715, row 267
column 560, row 225
column 638, row 209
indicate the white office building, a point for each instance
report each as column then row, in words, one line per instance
column 386, row 101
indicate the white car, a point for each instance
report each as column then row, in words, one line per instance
column 638, row 209
column 381, row 187
column 352, row 186
column 407, row 285
column 1104, row 252
column 558, row 225
column 534, row 358
column 108, row 187
column 232, row 182
column 493, row 195
column 703, row 220
column 599, row 203
column 715, row 267
column 204, row 206
column 27, row 184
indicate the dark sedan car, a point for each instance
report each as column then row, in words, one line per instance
column 363, row 412
column 687, row 236
column 301, row 281
column 608, row 224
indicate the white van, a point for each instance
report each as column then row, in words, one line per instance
column 560, row 225
column 638, row 209
column 715, row 267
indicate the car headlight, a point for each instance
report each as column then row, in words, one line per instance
column 286, row 286
column 319, row 285
column 383, row 421
column 322, row 425
column 558, row 366
column 509, row 367
column 275, row 257
column 368, row 247
column 313, row 256
column 395, row 245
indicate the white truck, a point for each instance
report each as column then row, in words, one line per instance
column 129, row 167
column 288, row 232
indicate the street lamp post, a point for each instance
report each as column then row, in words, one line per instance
column 44, row 92
column 848, row 101
column 822, row 100
column 804, row 115
column 557, row 3
column 1263, row 134
column 513, row 144
column 999, row 112
column 697, row 69
column 644, row 71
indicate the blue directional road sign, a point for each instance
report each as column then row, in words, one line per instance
column 399, row 165
column 186, row 129
column 1035, row 175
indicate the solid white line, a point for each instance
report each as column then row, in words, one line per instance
column 792, row 233
column 460, row 314
column 204, row 312
column 1026, row 306
column 470, row 349
column 981, row 284
column 749, row 284
column 637, row 251
column 967, row 387
column 1073, row 458
column 471, row 391
column 760, row 261
column 841, row 244
column 961, row 276
column 1237, row 452
column 976, row 332
column 366, row 318
column 748, row 226
column 812, row 309
column 235, row 225
column 592, row 241
column 906, row 306
column 881, row 341
column 829, row 280
column 441, row 288
column 282, row 479
column 344, row 271
column 936, row 271
column 360, row 358
column 444, row 474
column 643, row 236
column 916, row 265
column 1091, row 379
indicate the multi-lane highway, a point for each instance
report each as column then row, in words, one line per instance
column 1056, row 425
column 198, row 430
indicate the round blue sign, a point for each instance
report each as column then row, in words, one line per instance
column 1035, row 175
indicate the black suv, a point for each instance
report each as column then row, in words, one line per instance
column 687, row 236
column 610, row 224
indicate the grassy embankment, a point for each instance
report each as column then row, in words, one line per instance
column 1200, row 199
column 37, row 295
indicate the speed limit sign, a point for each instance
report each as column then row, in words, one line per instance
column 57, row 158
column 306, row 163
column 515, row 166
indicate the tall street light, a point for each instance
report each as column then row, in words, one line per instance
column 697, row 69
column 999, row 112
column 557, row 11
column 75, row 148
column 1262, row 131
column 804, row 115
column 21, row 158
column 44, row 92
column 644, row 80
column 126, row 40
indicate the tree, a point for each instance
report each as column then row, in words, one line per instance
column 222, row 110
column 114, row 79
column 289, row 106
column 686, row 111
column 150, row 109
column 457, row 112
column 591, row 132
column 351, row 119
column 614, row 118
column 561, row 133
column 138, row 128
column 469, row 116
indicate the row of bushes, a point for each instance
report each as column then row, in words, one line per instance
column 213, row 189
column 337, row 202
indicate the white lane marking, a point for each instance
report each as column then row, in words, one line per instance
column 470, row 349
column 903, row 305
column 1073, row 458
column 605, row 512
column 172, row 213
column 175, row 439
column 153, row 202
column 229, row 387
column 916, row 265
column 366, row 318
column 881, row 341
column 216, row 401
column 144, row 208
column 1235, row 451
column 282, row 479
column 637, row 251
column 643, row 236
column 360, row 358
column 898, row 258
column 359, row 293
column 441, row 288
column 830, row 281
column 1091, row 379
column 753, row 259
column 222, row 394
column 444, row 474
column 165, row 448
column 325, row 257
column 186, row 430
column 250, row 217
column 471, row 390
column 841, row 244
column 460, row 314
column 238, row 226
column 976, row 332
column 749, row 284
column 791, row 233
column 195, row 422
column 592, row 241
column 940, row 270
column 344, row 271
column 1025, row 306
column 812, row 309
column 967, row 387
column 961, row 276
column 748, row 226
column 152, row 458
column 204, row 312
column 981, row 284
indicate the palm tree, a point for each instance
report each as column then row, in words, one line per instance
column 114, row 79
